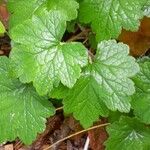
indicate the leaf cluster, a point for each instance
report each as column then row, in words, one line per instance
column 42, row 65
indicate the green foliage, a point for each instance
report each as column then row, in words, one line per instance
column 2, row 28
column 53, row 57
column 22, row 10
column 59, row 92
column 104, row 83
column 23, row 111
column 52, row 60
column 141, row 99
column 111, row 15
column 128, row 134
column 66, row 7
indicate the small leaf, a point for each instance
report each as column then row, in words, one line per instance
column 108, row 17
column 146, row 8
column 23, row 112
column 2, row 28
column 105, row 82
column 141, row 99
column 50, row 60
column 147, row 11
column 128, row 134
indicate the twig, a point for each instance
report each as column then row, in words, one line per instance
column 59, row 108
column 77, row 133
column 18, row 145
column 85, row 40
column 81, row 27
column 79, row 36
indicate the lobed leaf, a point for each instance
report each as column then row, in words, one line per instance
column 51, row 61
column 23, row 112
column 108, row 17
column 128, row 134
column 105, row 82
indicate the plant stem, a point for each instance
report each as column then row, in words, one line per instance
column 79, row 36
column 59, row 108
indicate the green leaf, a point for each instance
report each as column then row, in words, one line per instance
column 84, row 102
column 59, row 93
column 104, row 82
column 23, row 112
column 92, row 41
column 147, row 11
column 50, row 60
column 141, row 99
column 2, row 28
column 108, row 17
column 22, row 10
column 128, row 134
column 71, row 26
column 114, row 116
column 67, row 7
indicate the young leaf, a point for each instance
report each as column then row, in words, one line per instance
column 128, row 134
column 2, row 28
column 22, row 10
column 50, row 60
column 23, row 112
column 107, row 17
column 67, row 7
column 141, row 99
column 105, row 82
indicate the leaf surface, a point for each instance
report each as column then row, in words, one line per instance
column 128, row 134
column 59, row 93
column 2, row 28
column 108, row 17
column 67, row 7
column 22, row 10
column 141, row 99
column 50, row 60
column 105, row 82
column 23, row 111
